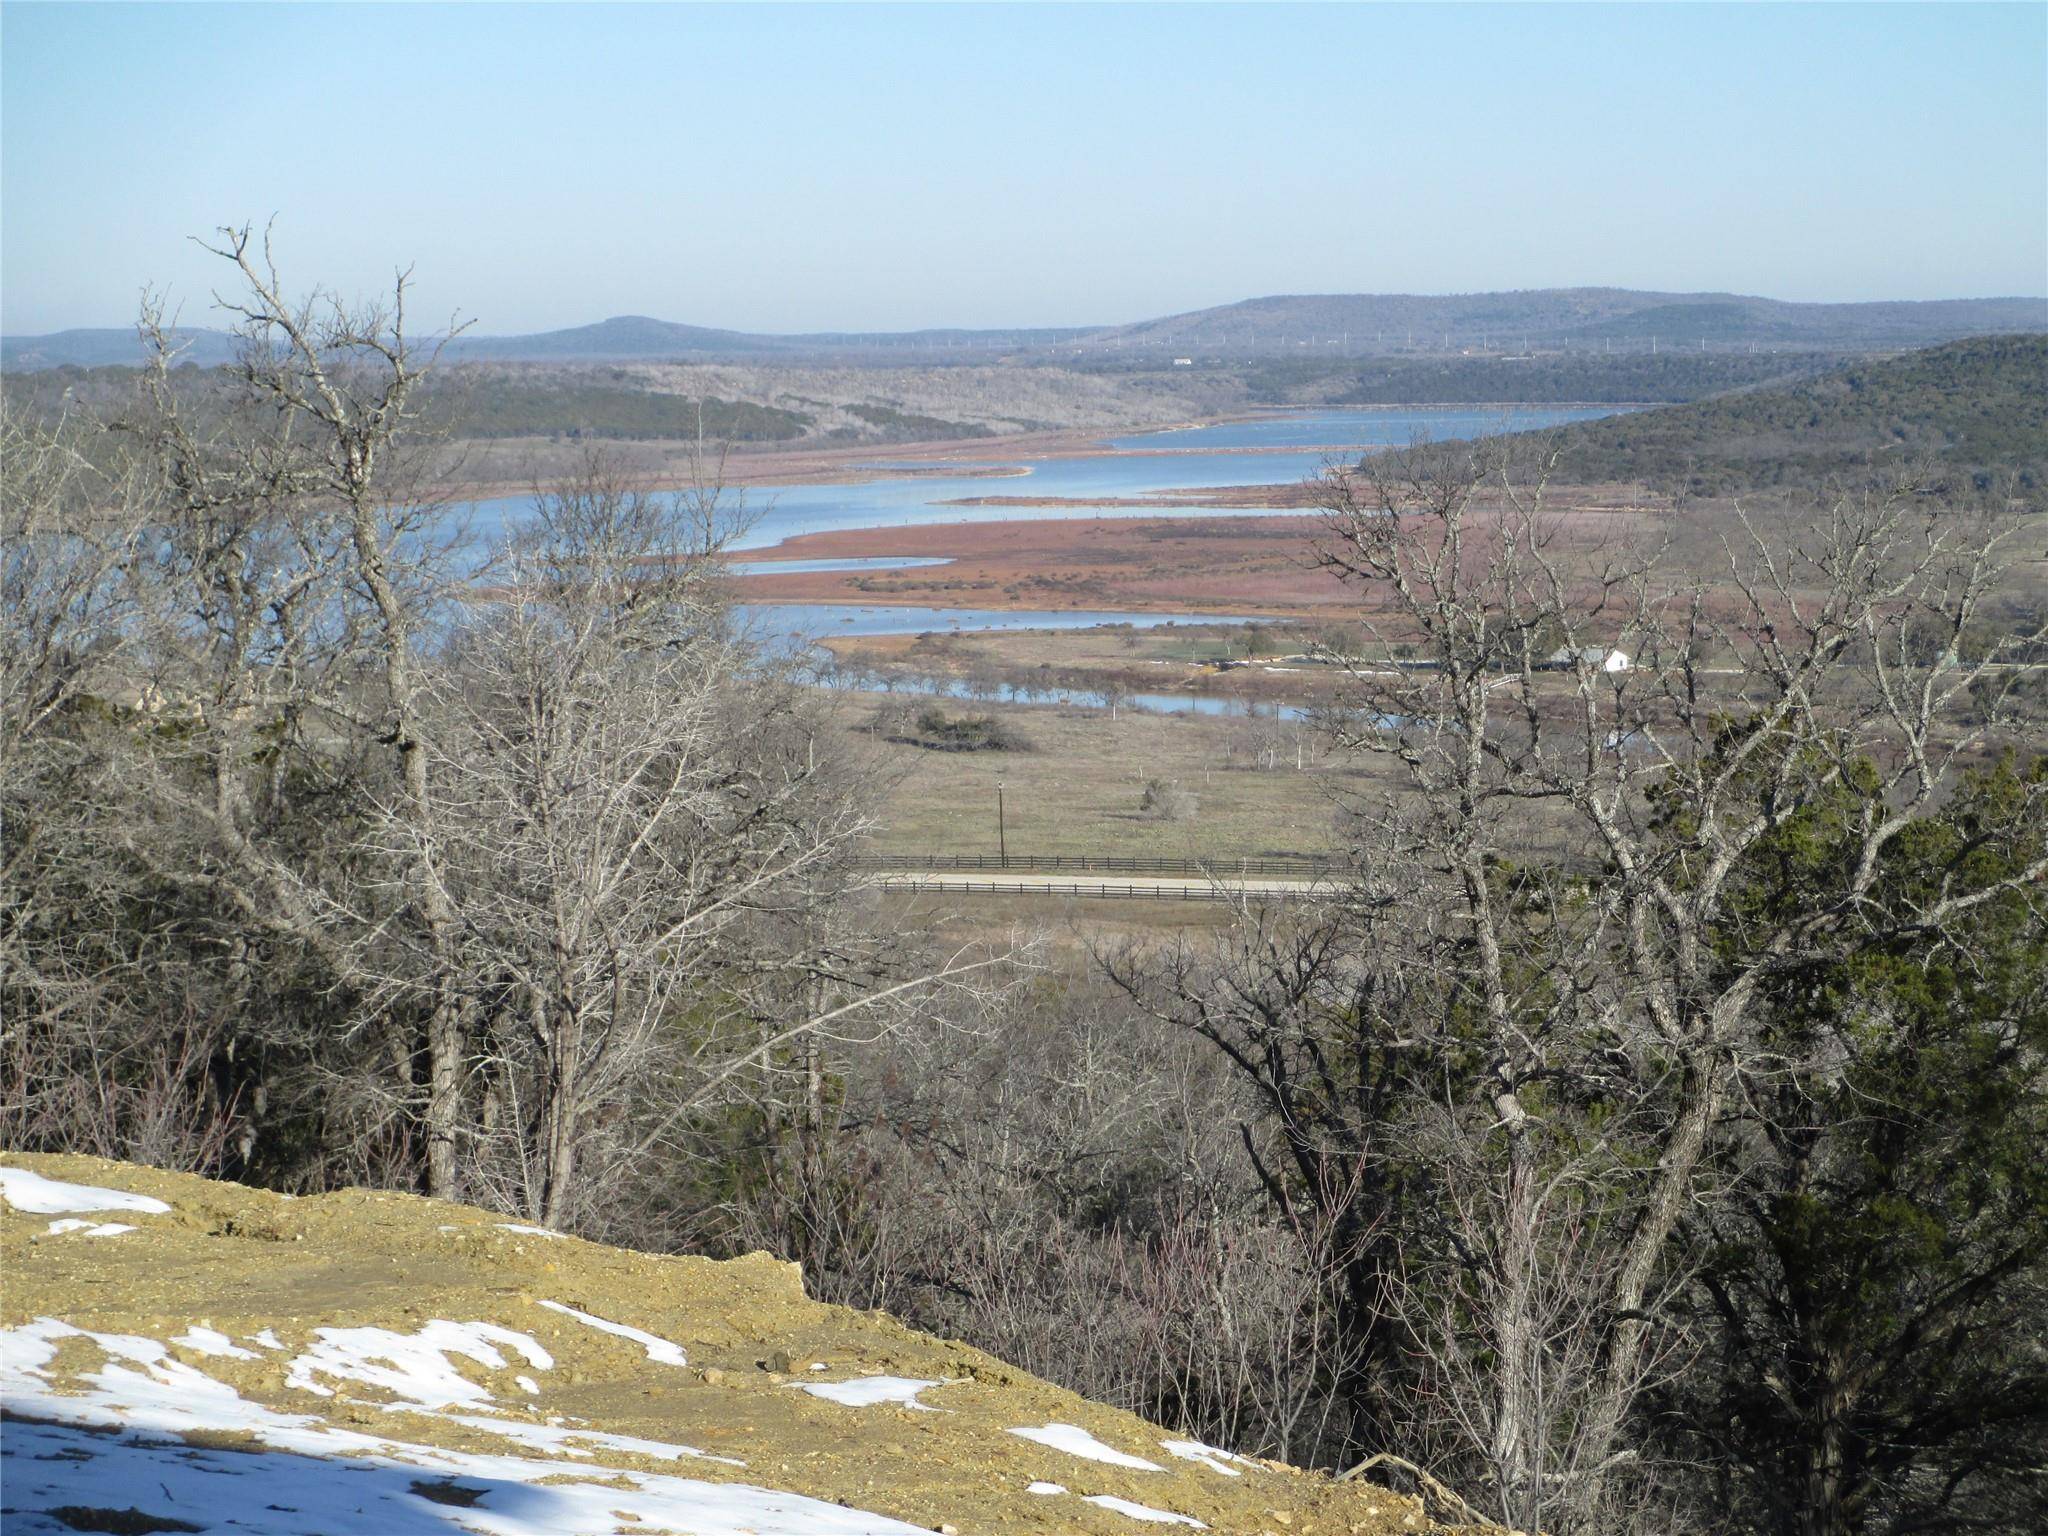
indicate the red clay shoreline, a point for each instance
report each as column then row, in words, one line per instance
column 1183, row 564
column 1223, row 563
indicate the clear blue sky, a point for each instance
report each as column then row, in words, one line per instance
column 792, row 168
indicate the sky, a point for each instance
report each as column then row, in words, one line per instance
column 791, row 168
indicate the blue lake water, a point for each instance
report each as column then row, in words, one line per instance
column 796, row 627
column 1289, row 447
column 1207, row 704
column 1391, row 427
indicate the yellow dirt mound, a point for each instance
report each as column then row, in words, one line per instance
column 407, row 1365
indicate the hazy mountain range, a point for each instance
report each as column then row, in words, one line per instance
column 1576, row 319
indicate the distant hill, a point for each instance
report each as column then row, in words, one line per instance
column 1620, row 319
column 1287, row 326
column 105, row 347
column 1975, row 407
column 638, row 338
column 623, row 338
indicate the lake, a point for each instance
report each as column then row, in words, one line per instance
column 1270, row 450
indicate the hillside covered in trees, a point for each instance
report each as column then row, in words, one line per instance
column 1975, row 408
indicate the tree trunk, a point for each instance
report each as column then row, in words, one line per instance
column 444, row 1096
column 564, row 1118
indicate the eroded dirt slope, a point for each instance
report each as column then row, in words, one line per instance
column 235, row 1360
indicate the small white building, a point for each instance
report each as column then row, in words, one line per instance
column 1183, row 362
column 1598, row 658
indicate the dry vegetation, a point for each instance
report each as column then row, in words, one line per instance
column 1644, row 1135
column 1079, row 787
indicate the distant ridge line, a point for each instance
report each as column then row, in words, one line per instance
column 1284, row 326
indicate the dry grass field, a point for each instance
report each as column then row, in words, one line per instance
column 1077, row 788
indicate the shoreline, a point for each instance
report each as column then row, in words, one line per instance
column 1222, row 562
column 770, row 466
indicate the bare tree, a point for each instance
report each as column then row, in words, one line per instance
column 1689, row 722
column 312, row 555
column 631, row 823
column 72, row 523
column 1524, row 1016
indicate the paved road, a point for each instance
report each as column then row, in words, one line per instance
column 1152, row 887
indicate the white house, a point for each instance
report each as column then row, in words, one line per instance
column 1598, row 657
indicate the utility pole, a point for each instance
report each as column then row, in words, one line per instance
column 1002, row 837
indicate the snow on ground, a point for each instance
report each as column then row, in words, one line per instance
column 513, row 1226
column 318, row 1478
column 89, row 1228
column 27, row 1191
column 865, row 1391
column 1076, row 1441
column 657, row 1349
column 209, row 1341
column 1212, row 1457
column 1142, row 1511
column 1046, row 1488
column 556, row 1438
column 413, row 1366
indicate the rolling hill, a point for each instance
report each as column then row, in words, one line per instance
column 1570, row 318
column 623, row 338
column 1333, row 325
column 1975, row 407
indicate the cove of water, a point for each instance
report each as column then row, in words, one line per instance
column 1392, row 427
column 1085, row 698
column 1289, row 447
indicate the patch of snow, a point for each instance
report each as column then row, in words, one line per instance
column 267, row 1339
column 335, row 1482
column 1213, row 1457
column 209, row 1342
column 866, row 1391
column 558, row 1436
column 1076, row 1441
column 527, row 1385
column 108, row 1229
column 413, row 1366
column 513, row 1226
column 1142, row 1511
column 1046, row 1488
column 819, row 1365
column 32, row 1192
column 660, row 1350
